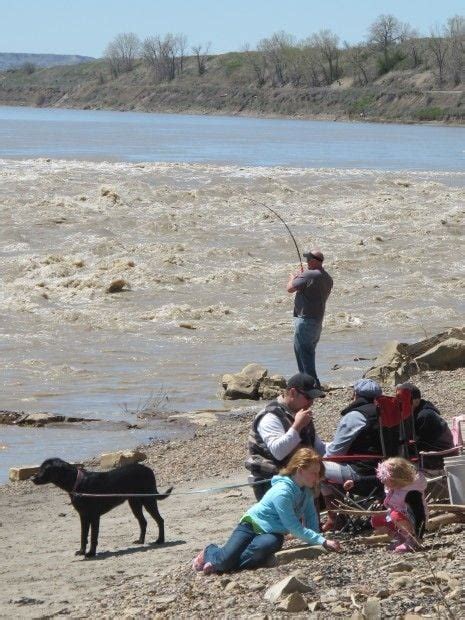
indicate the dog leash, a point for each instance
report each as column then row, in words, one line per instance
column 226, row 487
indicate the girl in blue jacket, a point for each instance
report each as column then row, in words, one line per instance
column 287, row 508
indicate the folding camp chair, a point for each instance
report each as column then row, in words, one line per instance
column 396, row 438
column 437, row 489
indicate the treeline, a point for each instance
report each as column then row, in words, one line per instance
column 319, row 60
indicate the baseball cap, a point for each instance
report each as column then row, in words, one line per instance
column 305, row 384
column 316, row 254
column 367, row 388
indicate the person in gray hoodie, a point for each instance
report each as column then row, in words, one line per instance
column 287, row 508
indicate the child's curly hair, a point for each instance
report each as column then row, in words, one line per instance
column 301, row 458
column 397, row 470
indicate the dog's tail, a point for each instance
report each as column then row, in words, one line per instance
column 165, row 494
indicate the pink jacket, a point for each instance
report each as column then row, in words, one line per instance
column 395, row 498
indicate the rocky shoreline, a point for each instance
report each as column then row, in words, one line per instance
column 146, row 582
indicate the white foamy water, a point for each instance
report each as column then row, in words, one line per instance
column 196, row 248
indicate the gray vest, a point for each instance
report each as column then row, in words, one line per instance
column 261, row 463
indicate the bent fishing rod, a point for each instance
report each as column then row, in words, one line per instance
column 262, row 204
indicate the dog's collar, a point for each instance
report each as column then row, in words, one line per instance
column 79, row 477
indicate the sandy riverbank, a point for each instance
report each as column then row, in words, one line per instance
column 39, row 533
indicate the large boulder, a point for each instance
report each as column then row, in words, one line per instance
column 399, row 361
column 447, row 355
column 252, row 382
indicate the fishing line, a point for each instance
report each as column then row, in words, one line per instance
column 262, row 204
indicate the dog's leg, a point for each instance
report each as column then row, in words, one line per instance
column 150, row 505
column 136, row 507
column 85, row 524
column 94, row 527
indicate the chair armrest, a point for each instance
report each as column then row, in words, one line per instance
column 348, row 458
column 454, row 450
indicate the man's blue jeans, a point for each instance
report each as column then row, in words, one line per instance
column 244, row 549
column 306, row 336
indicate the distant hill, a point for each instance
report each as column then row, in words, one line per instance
column 14, row 61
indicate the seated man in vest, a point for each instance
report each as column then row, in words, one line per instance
column 356, row 433
column 283, row 425
column 432, row 433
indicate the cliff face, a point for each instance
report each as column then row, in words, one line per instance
column 402, row 96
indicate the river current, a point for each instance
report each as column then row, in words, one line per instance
column 204, row 263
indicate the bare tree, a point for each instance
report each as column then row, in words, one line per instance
column 357, row 57
column 277, row 50
column 411, row 43
column 201, row 54
column 165, row 55
column 383, row 34
column 455, row 31
column 122, row 52
column 439, row 49
column 327, row 45
column 256, row 61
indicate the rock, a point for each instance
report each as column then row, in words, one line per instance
column 383, row 593
column 252, row 382
column 447, row 355
column 233, row 586
column 401, row 582
column 315, row 606
column 255, row 372
column 22, row 473
column 399, row 361
column 455, row 593
column 392, row 356
column 241, row 387
column 330, row 596
column 293, row 603
column 401, row 567
column 271, row 387
column 117, row 286
column 290, row 584
column 40, row 419
column 305, row 552
column 338, row 609
column 187, row 325
column 122, row 457
column 372, row 609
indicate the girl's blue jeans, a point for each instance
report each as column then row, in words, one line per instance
column 244, row 549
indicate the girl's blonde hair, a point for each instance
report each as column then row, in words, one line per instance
column 396, row 469
column 301, row 458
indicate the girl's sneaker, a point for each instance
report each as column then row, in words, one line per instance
column 403, row 548
column 208, row 568
column 198, row 563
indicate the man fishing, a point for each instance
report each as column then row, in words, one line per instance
column 312, row 287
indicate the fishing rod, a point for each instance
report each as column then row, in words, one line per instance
column 262, row 204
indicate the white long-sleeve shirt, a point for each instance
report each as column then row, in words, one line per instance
column 281, row 443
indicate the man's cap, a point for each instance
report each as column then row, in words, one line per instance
column 316, row 254
column 411, row 387
column 305, row 384
column 367, row 388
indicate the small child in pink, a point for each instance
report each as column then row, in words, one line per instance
column 405, row 500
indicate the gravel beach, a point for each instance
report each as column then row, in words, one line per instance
column 39, row 533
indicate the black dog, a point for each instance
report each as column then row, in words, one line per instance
column 127, row 480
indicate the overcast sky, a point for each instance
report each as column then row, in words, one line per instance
column 86, row 26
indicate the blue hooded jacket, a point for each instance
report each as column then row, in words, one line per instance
column 281, row 509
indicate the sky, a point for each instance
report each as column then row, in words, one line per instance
column 86, row 26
